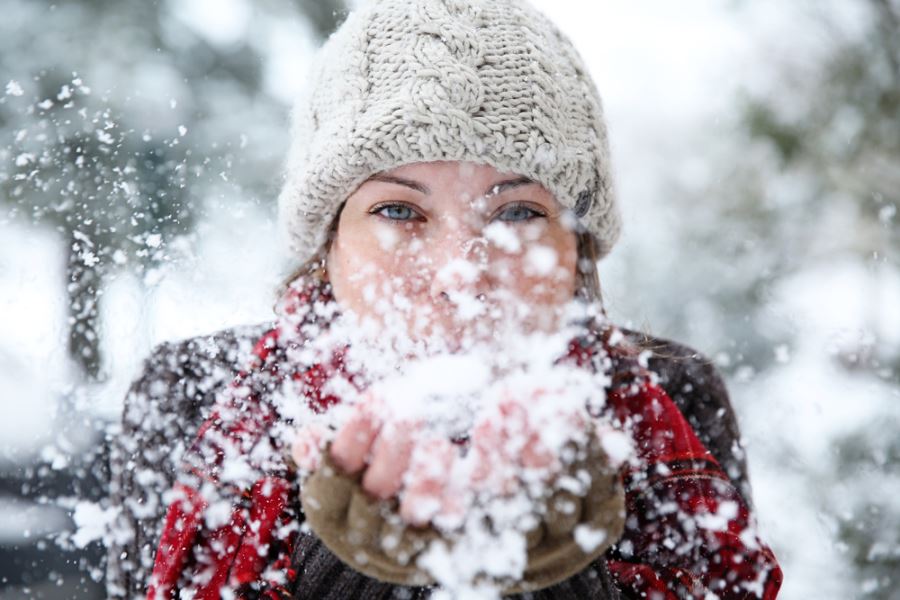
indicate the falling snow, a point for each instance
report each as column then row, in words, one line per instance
column 775, row 255
column 13, row 88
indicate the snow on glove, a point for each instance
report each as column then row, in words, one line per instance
column 580, row 515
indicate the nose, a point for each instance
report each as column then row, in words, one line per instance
column 462, row 271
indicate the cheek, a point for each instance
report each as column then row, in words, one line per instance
column 377, row 264
column 413, row 263
column 352, row 270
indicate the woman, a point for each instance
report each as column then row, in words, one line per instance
column 449, row 180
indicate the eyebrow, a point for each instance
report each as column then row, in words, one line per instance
column 506, row 185
column 400, row 181
column 424, row 189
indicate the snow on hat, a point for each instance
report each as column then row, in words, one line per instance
column 489, row 81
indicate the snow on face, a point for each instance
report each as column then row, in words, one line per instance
column 503, row 236
column 541, row 260
column 387, row 239
column 453, row 251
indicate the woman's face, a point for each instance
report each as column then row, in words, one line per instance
column 454, row 250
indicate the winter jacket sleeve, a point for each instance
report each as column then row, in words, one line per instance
column 163, row 408
column 698, row 390
column 694, row 383
column 689, row 532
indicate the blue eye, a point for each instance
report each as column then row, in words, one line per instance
column 518, row 212
column 395, row 212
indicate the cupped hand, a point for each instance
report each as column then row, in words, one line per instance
column 433, row 480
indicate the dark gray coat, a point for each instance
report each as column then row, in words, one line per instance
column 172, row 395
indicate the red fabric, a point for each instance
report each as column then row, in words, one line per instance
column 251, row 550
column 689, row 534
column 175, row 544
column 689, row 531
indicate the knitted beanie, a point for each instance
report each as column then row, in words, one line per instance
column 489, row 81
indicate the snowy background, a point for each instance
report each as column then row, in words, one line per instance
column 755, row 147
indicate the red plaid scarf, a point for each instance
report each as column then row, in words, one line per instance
column 688, row 531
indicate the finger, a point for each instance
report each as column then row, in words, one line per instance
column 492, row 468
column 390, row 459
column 484, row 453
column 306, row 449
column 425, row 480
column 457, row 495
column 353, row 442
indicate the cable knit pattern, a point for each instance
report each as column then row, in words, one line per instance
column 489, row 81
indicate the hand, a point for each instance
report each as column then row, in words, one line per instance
column 547, row 440
column 434, row 482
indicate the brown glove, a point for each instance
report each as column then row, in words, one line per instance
column 370, row 536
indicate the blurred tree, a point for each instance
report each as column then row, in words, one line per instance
column 870, row 527
column 110, row 169
column 119, row 121
column 112, row 196
column 325, row 15
column 813, row 180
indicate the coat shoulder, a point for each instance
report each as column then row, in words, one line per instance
column 224, row 347
column 179, row 377
column 697, row 387
column 163, row 408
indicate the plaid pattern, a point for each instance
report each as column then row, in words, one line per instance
column 689, row 532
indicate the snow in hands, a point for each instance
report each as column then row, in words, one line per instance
column 475, row 444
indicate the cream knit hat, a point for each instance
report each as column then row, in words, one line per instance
column 489, row 81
